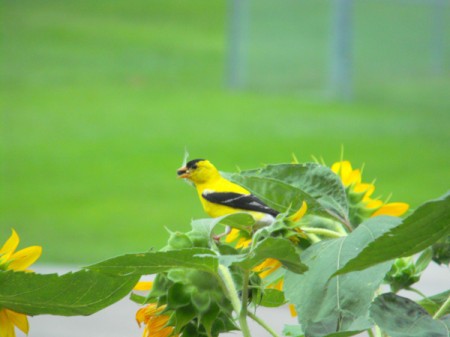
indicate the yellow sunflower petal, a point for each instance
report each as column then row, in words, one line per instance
column 300, row 213
column 243, row 243
column 143, row 286
column 343, row 169
column 6, row 326
column 393, row 208
column 354, row 177
column 11, row 244
column 364, row 187
column 24, row 258
column 373, row 203
column 267, row 267
column 19, row 320
column 292, row 310
column 234, row 234
column 140, row 316
column 158, row 322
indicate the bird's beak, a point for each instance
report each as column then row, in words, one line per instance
column 183, row 172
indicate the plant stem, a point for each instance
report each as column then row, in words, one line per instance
column 414, row 290
column 370, row 332
column 243, row 313
column 230, row 288
column 313, row 237
column 232, row 293
column 323, row 231
column 339, row 228
column 442, row 309
column 263, row 324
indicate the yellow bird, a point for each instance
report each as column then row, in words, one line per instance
column 220, row 196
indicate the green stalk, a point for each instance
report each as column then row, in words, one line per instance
column 313, row 237
column 262, row 324
column 230, row 288
column 418, row 292
column 322, row 231
column 339, row 228
column 232, row 293
column 243, row 314
column 442, row 309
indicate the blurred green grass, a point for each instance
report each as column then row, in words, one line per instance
column 99, row 100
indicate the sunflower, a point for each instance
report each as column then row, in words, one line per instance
column 155, row 321
column 17, row 261
column 152, row 316
column 268, row 267
column 362, row 204
column 242, row 238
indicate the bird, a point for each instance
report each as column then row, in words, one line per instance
column 220, row 197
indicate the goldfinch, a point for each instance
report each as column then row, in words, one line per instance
column 220, row 196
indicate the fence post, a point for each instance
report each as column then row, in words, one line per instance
column 341, row 80
column 437, row 36
column 238, row 16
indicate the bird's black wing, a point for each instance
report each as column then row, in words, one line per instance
column 247, row 202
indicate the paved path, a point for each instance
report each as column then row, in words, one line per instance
column 118, row 320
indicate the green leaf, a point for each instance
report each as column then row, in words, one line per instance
column 209, row 317
column 201, row 300
column 424, row 260
column 275, row 193
column 402, row 317
column 285, row 186
column 429, row 223
column 272, row 298
column 276, row 248
column 296, row 331
column 293, row 331
column 203, row 229
column 179, row 240
column 316, row 180
column 178, row 296
column 433, row 303
column 340, row 304
column 441, row 251
column 157, row 262
column 138, row 298
column 183, row 316
column 80, row 293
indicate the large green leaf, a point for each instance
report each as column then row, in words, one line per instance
column 316, row 180
column 429, row 223
column 293, row 331
column 433, row 303
column 81, row 293
column 272, row 298
column 157, row 262
column 276, row 248
column 296, row 331
column 338, row 305
column 276, row 194
column 401, row 317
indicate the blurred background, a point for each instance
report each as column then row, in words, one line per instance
column 99, row 100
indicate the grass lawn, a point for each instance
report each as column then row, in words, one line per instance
column 100, row 98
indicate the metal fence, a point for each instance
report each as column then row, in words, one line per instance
column 335, row 46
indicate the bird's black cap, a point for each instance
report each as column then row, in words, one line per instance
column 193, row 163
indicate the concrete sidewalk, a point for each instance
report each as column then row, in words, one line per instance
column 118, row 320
